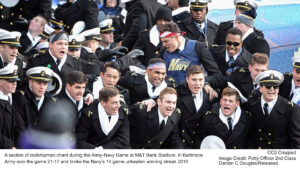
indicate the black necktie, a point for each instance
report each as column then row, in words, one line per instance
column 255, row 86
column 162, row 125
column 109, row 117
column 58, row 62
column 153, row 88
column 5, row 64
column 266, row 110
column 77, row 104
column 229, row 121
column 230, row 62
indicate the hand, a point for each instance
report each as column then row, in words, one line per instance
column 118, row 50
column 88, row 99
column 135, row 53
column 150, row 103
column 211, row 92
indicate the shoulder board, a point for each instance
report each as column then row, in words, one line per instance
column 242, row 70
column 54, row 99
column 178, row 21
column 126, row 110
column 291, row 103
column 288, row 74
column 89, row 113
column 178, row 111
column 247, row 112
column 145, row 30
column 22, row 92
column 90, row 63
column 208, row 112
column 214, row 45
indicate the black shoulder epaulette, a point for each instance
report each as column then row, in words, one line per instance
column 178, row 111
column 126, row 111
column 133, row 73
column 242, row 70
column 54, row 99
column 291, row 103
column 89, row 113
column 247, row 112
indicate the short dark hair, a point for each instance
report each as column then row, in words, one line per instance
column 107, row 92
column 194, row 69
column 234, row 31
column 231, row 92
column 167, row 90
column 113, row 65
column 171, row 27
column 259, row 58
column 156, row 60
column 76, row 77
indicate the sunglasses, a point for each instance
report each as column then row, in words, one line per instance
column 232, row 43
column 268, row 86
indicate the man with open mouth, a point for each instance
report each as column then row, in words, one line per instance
column 276, row 120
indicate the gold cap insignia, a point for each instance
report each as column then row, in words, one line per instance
column 43, row 73
column 73, row 41
column 271, row 76
column 15, row 72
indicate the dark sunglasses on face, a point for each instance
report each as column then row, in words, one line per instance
column 268, row 86
column 232, row 43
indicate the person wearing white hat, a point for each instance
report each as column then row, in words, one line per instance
column 198, row 27
column 276, row 120
column 229, row 122
column 290, row 87
column 8, row 85
column 31, row 98
column 108, row 49
column 241, row 6
column 9, row 45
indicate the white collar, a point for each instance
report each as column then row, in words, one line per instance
column 80, row 105
column 3, row 96
column 106, row 125
column 249, row 31
column 41, row 100
column 234, row 57
column 161, row 118
column 181, row 47
column 97, row 86
column 103, row 48
column 88, row 49
column 235, row 117
column 154, row 35
column 271, row 104
column 157, row 89
column 33, row 40
column 62, row 62
column 180, row 10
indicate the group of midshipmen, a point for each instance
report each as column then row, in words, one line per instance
column 161, row 77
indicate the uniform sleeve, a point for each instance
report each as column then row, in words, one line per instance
column 45, row 8
column 206, row 59
column 91, row 16
column 294, row 128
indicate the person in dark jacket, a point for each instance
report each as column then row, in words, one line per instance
column 140, row 16
column 198, row 27
column 276, row 120
column 180, row 9
column 157, row 128
column 78, row 10
column 229, row 122
column 232, row 55
column 104, row 124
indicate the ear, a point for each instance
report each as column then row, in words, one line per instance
column 147, row 71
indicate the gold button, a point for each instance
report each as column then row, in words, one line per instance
column 20, row 16
column 161, row 142
column 269, row 142
column 197, row 124
column 183, row 140
column 185, row 121
column 12, row 14
column 74, row 130
column 234, row 147
column 194, row 132
column 259, row 147
column 2, row 16
column 260, row 139
column 11, row 23
column 68, row 27
column 182, row 131
column 149, row 142
column 21, row 9
column 1, row 7
column 156, row 52
column 259, row 130
column 269, row 134
column 192, row 142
